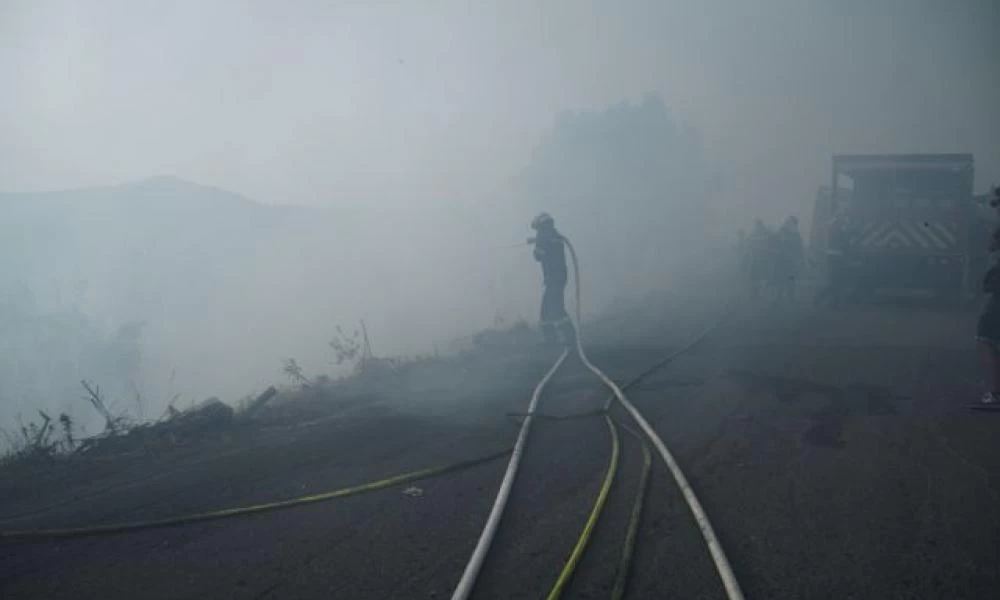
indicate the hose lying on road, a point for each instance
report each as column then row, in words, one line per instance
column 635, row 517
column 725, row 570
column 602, row 497
column 632, row 531
column 475, row 564
column 52, row 534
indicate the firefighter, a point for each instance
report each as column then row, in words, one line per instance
column 742, row 259
column 789, row 256
column 758, row 257
column 550, row 251
column 837, row 246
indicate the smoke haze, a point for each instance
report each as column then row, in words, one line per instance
column 373, row 159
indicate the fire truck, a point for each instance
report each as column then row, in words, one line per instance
column 911, row 219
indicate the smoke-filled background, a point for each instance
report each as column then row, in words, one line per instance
column 196, row 190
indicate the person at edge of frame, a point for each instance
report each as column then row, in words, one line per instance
column 988, row 327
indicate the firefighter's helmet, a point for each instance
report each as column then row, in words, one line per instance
column 542, row 220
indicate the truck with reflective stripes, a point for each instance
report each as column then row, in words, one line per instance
column 910, row 219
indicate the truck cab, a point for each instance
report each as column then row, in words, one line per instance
column 910, row 218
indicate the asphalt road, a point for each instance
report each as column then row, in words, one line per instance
column 830, row 449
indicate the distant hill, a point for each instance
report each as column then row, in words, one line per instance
column 126, row 245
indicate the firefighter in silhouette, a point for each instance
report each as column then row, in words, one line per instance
column 742, row 268
column 789, row 256
column 550, row 251
column 759, row 250
column 838, row 246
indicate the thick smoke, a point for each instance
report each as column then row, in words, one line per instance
column 380, row 161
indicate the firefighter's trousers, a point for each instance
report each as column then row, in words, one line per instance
column 555, row 320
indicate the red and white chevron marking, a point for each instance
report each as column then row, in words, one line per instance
column 918, row 235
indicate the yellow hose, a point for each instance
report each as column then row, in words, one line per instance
column 718, row 554
column 632, row 532
column 49, row 534
column 581, row 543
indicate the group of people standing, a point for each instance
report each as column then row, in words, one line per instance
column 770, row 261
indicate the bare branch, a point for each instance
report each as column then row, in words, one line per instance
column 95, row 398
column 40, row 434
column 293, row 371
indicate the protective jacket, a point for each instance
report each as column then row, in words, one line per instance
column 551, row 252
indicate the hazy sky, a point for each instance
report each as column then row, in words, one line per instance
column 336, row 102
